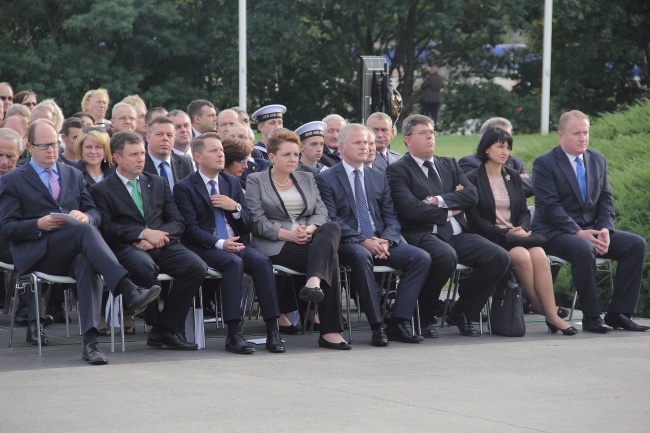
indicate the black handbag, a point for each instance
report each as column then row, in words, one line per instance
column 534, row 240
column 507, row 313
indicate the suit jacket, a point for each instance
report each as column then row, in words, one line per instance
column 181, row 166
column 409, row 187
column 329, row 159
column 258, row 165
column 24, row 199
column 482, row 217
column 559, row 207
column 122, row 222
column 106, row 169
column 194, row 204
column 380, row 162
column 269, row 214
column 471, row 162
column 336, row 193
column 259, row 151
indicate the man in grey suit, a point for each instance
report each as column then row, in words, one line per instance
column 358, row 199
column 382, row 125
column 160, row 159
column 49, row 243
column 574, row 210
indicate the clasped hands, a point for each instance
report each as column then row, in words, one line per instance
column 152, row 239
column 598, row 238
column 300, row 235
column 518, row 231
column 50, row 223
column 378, row 247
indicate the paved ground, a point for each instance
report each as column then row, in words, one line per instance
column 541, row 383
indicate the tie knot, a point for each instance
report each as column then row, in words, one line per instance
column 133, row 182
column 578, row 160
column 428, row 165
column 357, row 172
column 212, row 182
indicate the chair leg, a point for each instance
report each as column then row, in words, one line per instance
column 347, row 302
column 66, row 308
column 35, row 286
column 14, row 306
column 573, row 304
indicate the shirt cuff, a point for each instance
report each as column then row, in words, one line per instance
column 441, row 201
column 236, row 215
column 219, row 244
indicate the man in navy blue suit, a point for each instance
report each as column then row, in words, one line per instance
column 574, row 210
column 218, row 226
column 358, row 199
column 48, row 243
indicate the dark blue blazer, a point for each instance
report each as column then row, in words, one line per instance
column 258, row 165
column 336, row 193
column 24, row 199
column 195, row 206
column 559, row 207
column 122, row 222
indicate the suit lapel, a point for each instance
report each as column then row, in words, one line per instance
column 120, row 190
column 32, row 177
column 484, row 188
column 197, row 182
column 567, row 168
column 419, row 174
column 267, row 189
column 64, row 182
column 371, row 193
column 445, row 175
column 146, row 189
column 342, row 177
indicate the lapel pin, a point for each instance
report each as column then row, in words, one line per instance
column 507, row 177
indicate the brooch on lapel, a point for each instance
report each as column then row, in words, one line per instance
column 507, row 177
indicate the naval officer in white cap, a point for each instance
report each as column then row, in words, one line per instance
column 268, row 118
column 312, row 141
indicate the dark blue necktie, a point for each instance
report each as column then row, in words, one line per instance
column 582, row 178
column 163, row 172
column 219, row 218
column 385, row 157
column 363, row 216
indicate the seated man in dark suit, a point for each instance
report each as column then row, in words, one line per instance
column 331, row 155
column 574, row 210
column 382, row 126
column 431, row 195
column 358, row 199
column 471, row 162
column 160, row 159
column 47, row 243
column 141, row 223
column 218, row 229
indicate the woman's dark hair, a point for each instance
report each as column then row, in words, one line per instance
column 234, row 150
column 490, row 137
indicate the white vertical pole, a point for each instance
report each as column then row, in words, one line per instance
column 242, row 54
column 546, row 65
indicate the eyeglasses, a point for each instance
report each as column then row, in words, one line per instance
column 425, row 133
column 242, row 161
column 45, row 146
column 7, row 98
column 87, row 129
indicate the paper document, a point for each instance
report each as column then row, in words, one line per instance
column 68, row 218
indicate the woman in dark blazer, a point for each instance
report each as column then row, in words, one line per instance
column 93, row 152
column 502, row 216
column 291, row 227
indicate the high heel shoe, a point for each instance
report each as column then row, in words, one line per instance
column 568, row 331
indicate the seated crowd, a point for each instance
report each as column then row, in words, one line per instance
column 152, row 191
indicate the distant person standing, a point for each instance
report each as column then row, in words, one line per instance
column 430, row 98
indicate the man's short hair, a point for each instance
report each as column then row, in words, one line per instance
column 175, row 113
column 379, row 115
column 158, row 121
column 333, row 117
column 120, row 139
column 151, row 114
column 495, row 122
column 31, row 131
column 10, row 134
column 196, row 107
column 18, row 110
column 564, row 118
column 134, row 101
column 342, row 137
column 198, row 143
column 118, row 105
column 71, row 122
column 409, row 124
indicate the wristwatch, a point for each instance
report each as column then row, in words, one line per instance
column 430, row 199
column 238, row 208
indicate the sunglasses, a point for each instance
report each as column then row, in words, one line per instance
column 7, row 98
column 99, row 128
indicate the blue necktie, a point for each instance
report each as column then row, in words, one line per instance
column 163, row 172
column 219, row 218
column 582, row 178
column 363, row 216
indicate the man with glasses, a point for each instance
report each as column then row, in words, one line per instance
column 431, row 195
column 70, row 245
column 6, row 95
column 382, row 125
column 124, row 117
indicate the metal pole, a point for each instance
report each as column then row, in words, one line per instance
column 242, row 54
column 546, row 65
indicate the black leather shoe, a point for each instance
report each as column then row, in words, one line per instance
column 563, row 313
column 623, row 321
column 343, row 345
column 32, row 334
column 462, row 320
column 289, row 329
column 169, row 340
column 397, row 331
column 429, row 331
column 136, row 301
column 239, row 345
column 595, row 324
column 92, row 355
column 311, row 294
column 567, row 331
column 274, row 343
column 48, row 320
column 379, row 337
